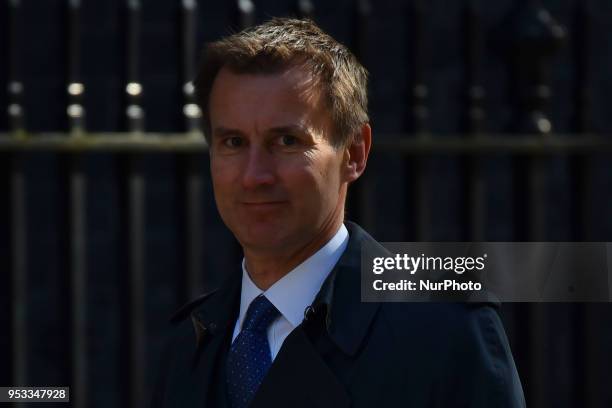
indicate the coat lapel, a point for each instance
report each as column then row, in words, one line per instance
column 300, row 378
column 212, row 322
column 348, row 318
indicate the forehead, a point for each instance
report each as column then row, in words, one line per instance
column 292, row 94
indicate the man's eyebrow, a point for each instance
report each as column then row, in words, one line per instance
column 288, row 129
column 221, row 130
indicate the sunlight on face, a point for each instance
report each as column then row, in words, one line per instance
column 276, row 177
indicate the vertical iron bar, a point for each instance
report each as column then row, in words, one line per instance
column 420, row 90
column 15, row 86
column 136, row 245
column 593, row 351
column 17, row 186
column 78, row 282
column 19, row 267
column 540, row 102
column 133, row 89
column 190, row 224
column 579, row 164
column 192, row 185
column 361, row 29
column 536, row 188
column 359, row 203
column 539, row 95
column 19, row 270
column 76, row 214
column 475, row 191
column 134, row 218
column 75, row 88
column 588, row 317
column 195, row 198
column 419, row 166
column 538, row 317
column 191, row 110
column 538, row 37
column 132, row 279
column 246, row 13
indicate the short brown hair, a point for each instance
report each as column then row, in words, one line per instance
column 281, row 43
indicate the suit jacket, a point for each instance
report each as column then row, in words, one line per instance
column 347, row 353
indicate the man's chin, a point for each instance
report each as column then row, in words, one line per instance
column 265, row 246
column 265, row 238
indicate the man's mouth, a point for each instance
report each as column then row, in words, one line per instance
column 263, row 202
column 263, row 205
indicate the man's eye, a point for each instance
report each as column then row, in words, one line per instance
column 234, row 141
column 288, row 140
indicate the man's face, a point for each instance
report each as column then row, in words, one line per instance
column 277, row 179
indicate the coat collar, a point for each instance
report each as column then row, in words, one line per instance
column 347, row 318
column 218, row 311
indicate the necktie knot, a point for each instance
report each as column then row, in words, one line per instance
column 260, row 315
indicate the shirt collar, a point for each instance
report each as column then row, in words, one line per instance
column 297, row 289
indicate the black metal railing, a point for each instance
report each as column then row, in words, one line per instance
column 533, row 37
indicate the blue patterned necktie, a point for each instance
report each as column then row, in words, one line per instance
column 249, row 357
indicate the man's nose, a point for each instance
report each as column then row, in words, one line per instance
column 259, row 168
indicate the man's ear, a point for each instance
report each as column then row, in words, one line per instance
column 356, row 154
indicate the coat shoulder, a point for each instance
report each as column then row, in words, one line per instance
column 467, row 346
column 438, row 318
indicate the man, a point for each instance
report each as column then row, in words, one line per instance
column 285, row 112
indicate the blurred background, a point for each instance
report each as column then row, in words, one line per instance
column 491, row 122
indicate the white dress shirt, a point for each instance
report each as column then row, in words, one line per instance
column 294, row 292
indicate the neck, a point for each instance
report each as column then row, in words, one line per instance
column 266, row 269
